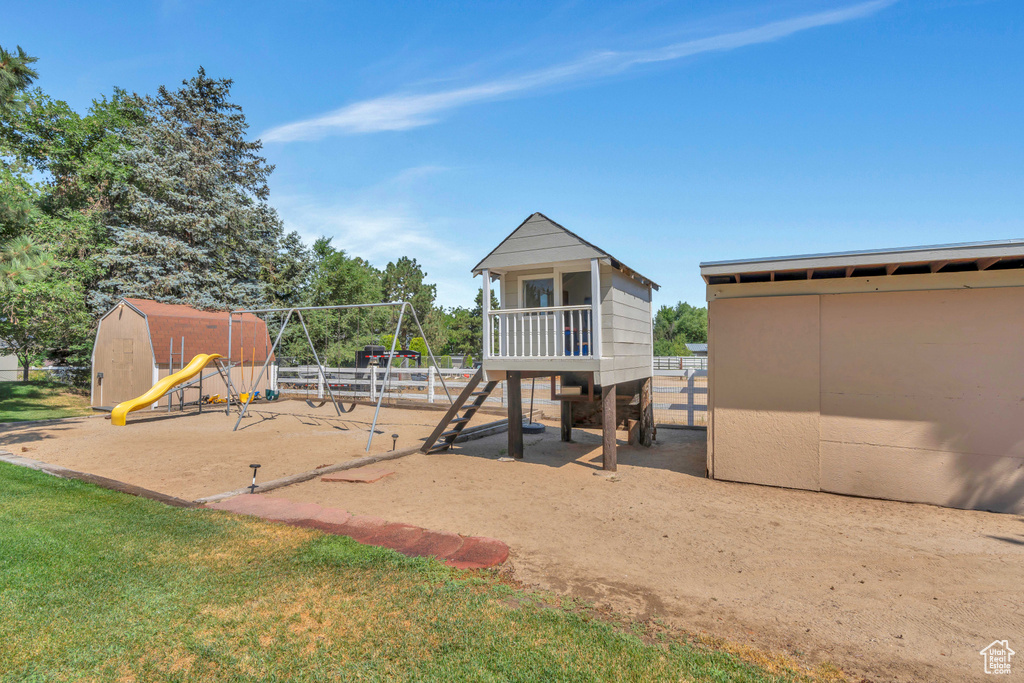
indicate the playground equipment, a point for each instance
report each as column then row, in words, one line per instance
column 167, row 384
column 297, row 313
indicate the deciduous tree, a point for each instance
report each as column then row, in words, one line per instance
column 675, row 326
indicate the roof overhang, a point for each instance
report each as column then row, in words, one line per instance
column 607, row 260
column 969, row 256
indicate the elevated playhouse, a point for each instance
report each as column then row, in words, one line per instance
column 571, row 311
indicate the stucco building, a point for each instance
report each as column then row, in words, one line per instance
column 892, row 374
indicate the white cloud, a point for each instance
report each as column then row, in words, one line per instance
column 382, row 230
column 402, row 111
column 376, row 234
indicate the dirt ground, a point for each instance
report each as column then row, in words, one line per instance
column 888, row 591
column 192, row 456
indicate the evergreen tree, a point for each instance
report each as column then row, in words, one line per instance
column 21, row 258
column 403, row 280
column 191, row 224
column 15, row 76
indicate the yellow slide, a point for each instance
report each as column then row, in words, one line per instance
column 194, row 367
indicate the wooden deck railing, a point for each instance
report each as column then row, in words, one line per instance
column 551, row 332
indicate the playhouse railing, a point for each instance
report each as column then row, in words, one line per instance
column 550, row 332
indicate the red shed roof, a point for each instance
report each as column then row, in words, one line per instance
column 204, row 332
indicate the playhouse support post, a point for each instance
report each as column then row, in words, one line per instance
column 566, row 420
column 486, row 310
column 608, row 427
column 514, row 380
column 647, row 412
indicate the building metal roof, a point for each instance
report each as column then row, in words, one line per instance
column 204, row 332
column 698, row 348
column 965, row 256
column 598, row 251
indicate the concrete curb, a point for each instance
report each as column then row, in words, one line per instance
column 312, row 474
column 103, row 482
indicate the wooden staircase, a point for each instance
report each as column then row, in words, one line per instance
column 441, row 440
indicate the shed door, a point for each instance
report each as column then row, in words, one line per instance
column 122, row 367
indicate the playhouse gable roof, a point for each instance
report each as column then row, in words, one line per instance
column 540, row 240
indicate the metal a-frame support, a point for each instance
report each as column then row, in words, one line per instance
column 323, row 373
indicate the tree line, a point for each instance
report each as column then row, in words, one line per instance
column 166, row 197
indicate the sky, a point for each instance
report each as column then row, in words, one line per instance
column 667, row 133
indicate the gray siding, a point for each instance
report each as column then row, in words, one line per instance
column 538, row 240
column 626, row 335
column 509, row 297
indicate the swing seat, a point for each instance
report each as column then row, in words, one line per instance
column 341, row 406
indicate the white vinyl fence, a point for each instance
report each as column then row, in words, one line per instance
column 680, row 396
column 680, row 362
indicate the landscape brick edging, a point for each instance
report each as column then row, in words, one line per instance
column 461, row 552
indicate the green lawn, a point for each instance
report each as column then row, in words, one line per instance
column 101, row 586
column 40, row 400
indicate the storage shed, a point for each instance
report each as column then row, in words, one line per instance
column 894, row 374
column 139, row 341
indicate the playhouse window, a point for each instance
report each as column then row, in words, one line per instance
column 539, row 293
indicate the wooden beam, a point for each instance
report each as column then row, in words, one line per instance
column 936, row 266
column 986, row 263
column 514, row 382
column 610, row 456
column 566, row 421
column 891, row 268
column 849, row 271
column 632, row 431
column 647, row 412
column 530, row 374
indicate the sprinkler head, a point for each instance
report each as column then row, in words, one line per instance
column 253, row 486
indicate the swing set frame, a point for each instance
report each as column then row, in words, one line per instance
column 297, row 312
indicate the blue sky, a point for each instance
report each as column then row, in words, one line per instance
column 668, row 133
